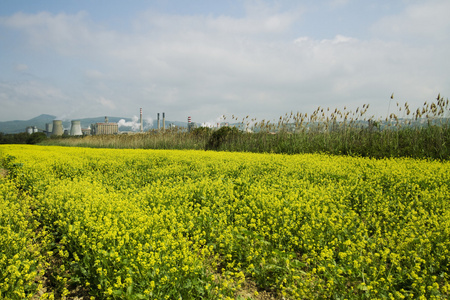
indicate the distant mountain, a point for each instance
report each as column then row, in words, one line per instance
column 21, row 126
column 18, row 126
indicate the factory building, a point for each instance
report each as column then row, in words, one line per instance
column 104, row 128
column 32, row 129
column 86, row 131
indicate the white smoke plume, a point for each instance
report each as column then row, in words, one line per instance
column 134, row 123
column 148, row 123
column 216, row 123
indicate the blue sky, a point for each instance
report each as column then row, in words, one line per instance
column 205, row 59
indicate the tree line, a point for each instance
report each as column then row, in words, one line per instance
column 22, row 138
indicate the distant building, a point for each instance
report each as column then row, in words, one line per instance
column 104, row 128
column 86, row 131
column 32, row 129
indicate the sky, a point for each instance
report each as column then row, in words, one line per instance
column 205, row 59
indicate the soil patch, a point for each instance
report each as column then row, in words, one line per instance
column 251, row 291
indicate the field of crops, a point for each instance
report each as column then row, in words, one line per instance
column 167, row 224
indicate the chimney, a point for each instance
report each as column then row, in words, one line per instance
column 158, row 122
column 106, row 119
column 164, row 121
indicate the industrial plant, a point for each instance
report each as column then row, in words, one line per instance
column 104, row 128
column 56, row 128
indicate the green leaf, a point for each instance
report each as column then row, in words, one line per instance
column 362, row 287
column 188, row 284
column 129, row 290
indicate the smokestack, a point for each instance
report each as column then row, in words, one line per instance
column 158, row 122
column 57, row 127
column 164, row 121
column 76, row 128
column 142, row 127
column 106, row 119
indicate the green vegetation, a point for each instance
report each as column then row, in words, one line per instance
column 423, row 133
column 151, row 224
column 22, row 138
column 223, row 136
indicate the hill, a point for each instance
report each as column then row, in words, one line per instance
column 18, row 126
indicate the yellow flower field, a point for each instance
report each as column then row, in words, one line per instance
column 163, row 224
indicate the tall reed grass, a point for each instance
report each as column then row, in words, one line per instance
column 420, row 133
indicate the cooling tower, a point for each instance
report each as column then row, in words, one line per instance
column 57, row 127
column 29, row 130
column 48, row 129
column 76, row 128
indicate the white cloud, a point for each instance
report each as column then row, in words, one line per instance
column 30, row 90
column 340, row 39
column 205, row 66
column 21, row 67
column 28, row 98
column 106, row 102
column 424, row 20
column 94, row 74
column 339, row 3
column 64, row 33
